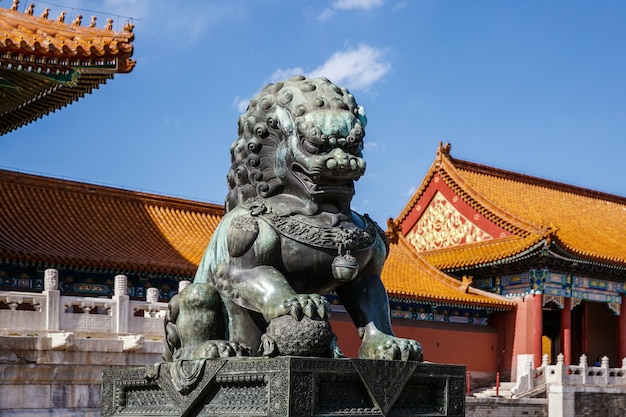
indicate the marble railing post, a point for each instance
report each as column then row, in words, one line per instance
column 122, row 305
column 182, row 285
column 152, row 295
column 583, row 367
column 605, row 369
column 559, row 370
column 53, row 299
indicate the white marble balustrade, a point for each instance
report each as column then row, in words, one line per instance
column 23, row 313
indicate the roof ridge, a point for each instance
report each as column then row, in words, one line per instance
column 59, row 23
column 478, row 244
column 445, row 279
column 444, row 162
column 534, row 180
column 478, row 291
column 587, row 255
column 513, row 222
column 103, row 191
column 512, row 247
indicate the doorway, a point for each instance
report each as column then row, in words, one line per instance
column 551, row 340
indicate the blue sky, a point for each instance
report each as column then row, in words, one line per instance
column 537, row 87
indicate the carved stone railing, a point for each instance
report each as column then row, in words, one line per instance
column 50, row 312
column 561, row 374
column 575, row 389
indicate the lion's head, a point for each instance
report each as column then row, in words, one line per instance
column 302, row 136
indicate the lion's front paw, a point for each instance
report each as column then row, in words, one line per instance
column 309, row 305
column 378, row 345
column 213, row 349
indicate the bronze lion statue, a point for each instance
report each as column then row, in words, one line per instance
column 288, row 237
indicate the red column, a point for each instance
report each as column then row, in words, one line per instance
column 584, row 332
column 621, row 332
column 566, row 330
column 538, row 328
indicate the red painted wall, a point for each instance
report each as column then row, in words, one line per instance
column 504, row 324
column 479, row 348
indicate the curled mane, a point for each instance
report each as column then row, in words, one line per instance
column 269, row 120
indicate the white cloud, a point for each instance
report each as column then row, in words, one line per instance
column 356, row 69
column 326, row 14
column 371, row 146
column 241, row 104
column 348, row 5
column 356, row 4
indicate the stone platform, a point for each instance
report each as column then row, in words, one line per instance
column 285, row 386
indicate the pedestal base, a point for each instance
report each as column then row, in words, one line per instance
column 285, row 386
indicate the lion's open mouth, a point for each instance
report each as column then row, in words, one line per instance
column 317, row 182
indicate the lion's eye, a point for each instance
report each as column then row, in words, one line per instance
column 310, row 147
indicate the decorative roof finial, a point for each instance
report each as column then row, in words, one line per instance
column 78, row 20
column 444, row 149
column 45, row 13
column 93, row 22
column 128, row 27
column 15, row 6
column 393, row 230
column 109, row 25
column 30, row 10
column 466, row 282
column 61, row 17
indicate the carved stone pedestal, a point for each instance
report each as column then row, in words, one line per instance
column 285, row 386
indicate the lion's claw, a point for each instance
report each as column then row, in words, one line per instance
column 213, row 349
column 310, row 305
column 378, row 345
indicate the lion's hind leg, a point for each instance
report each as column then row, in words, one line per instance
column 196, row 325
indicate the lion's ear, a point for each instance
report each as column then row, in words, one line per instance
column 362, row 116
column 241, row 234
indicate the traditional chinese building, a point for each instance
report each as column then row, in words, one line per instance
column 556, row 248
column 91, row 234
column 47, row 62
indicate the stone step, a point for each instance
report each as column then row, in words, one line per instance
column 503, row 391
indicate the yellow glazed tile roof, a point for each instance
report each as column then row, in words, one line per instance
column 67, row 223
column 47, row 63
column 51, row 221
column 589, row 224
column 480, row 253
column 407, row 274
column 55, row 39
